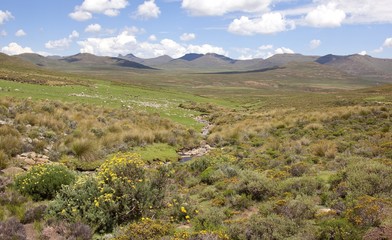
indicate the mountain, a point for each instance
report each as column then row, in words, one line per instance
column 365, row 68
column 359, row 65
column 209, row 62
column 151, row 62
column 81, row 61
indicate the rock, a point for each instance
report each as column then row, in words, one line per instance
column 29, row 161
column 12, row 171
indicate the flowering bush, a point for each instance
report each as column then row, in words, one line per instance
column 43, row 181
column 122, row 191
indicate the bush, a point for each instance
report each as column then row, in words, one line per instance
column 146, row 229
column 256, row 185
column 12, row 229
column 259, row 227
column 367, row 211
column 34, row 214
column 44, row 181
column 65, row 230
column 121, row 192
column 337, row 229
column 3, row 159
column 369, row 178
column 210, row 219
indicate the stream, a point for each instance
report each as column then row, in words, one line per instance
column 187, row 155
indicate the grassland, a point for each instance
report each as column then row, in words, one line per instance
column 295, row 155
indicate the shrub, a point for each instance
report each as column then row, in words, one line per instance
column 367, row 211
column 84, row 149
column 337, row 229
column 12, row 229
column 256, row 185
column 146, row 229
column 210, row 219
column 34, row 214
column 259, row 227
column 43, row 181
column 121, row 192
column 3, row 159
column 369, row 178
column 65, row 230
column 298, row 209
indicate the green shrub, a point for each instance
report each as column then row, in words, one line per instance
column 369, row 178
column 146, row 229
column 337, row 229
column 259, row 227
column 3, row 159
column 210, row 219
column 256, row 185
column 43, row 181
column 121, row 192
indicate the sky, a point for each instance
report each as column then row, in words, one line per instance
column 240, row 29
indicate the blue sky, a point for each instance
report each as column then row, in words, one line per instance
column 240, row 29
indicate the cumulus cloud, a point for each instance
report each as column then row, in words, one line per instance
column 283, row 50
column 5, row 16
column 315, row 43
column 126, row 42
column 93, row 28
column 363, row 53
column 264, row 51
column 325, row 16
column 221, row 7
column 15, row 49
column 62, row 43
column 152, row 38
column 388, row 42
column 20, row 33
column 187, row 37
column 268, row 23
column 109, row 8
column 148, row 10
column 205, row 48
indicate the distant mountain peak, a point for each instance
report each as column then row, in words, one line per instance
column 191, row 56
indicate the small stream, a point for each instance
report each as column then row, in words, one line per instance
column 187, row 155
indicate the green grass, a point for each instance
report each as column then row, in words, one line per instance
column 109, row 94
column 157, row 152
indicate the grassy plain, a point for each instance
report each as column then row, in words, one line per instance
column 296, row 155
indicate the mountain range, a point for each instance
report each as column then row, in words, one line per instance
column 352, row 65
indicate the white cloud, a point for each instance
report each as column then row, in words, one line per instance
column 267, row 24
column 221, row 7
column 93, row 28
column 148, row 10
column 62, row 43
column 109, row 8
column 283, row 50
column 187, row 37
column 264, row 51
column 205, row 48
column 325, row 16
column 126, row 43
column 5, row 16
column 363, row 53
column 20, row 33
column 15, row 49
column 3, row 33
column 80, row 15
column 152, row 38
column 388, row 42
column 315, row 43
column 366, row 11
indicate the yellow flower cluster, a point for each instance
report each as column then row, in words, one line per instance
column 116, row 170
